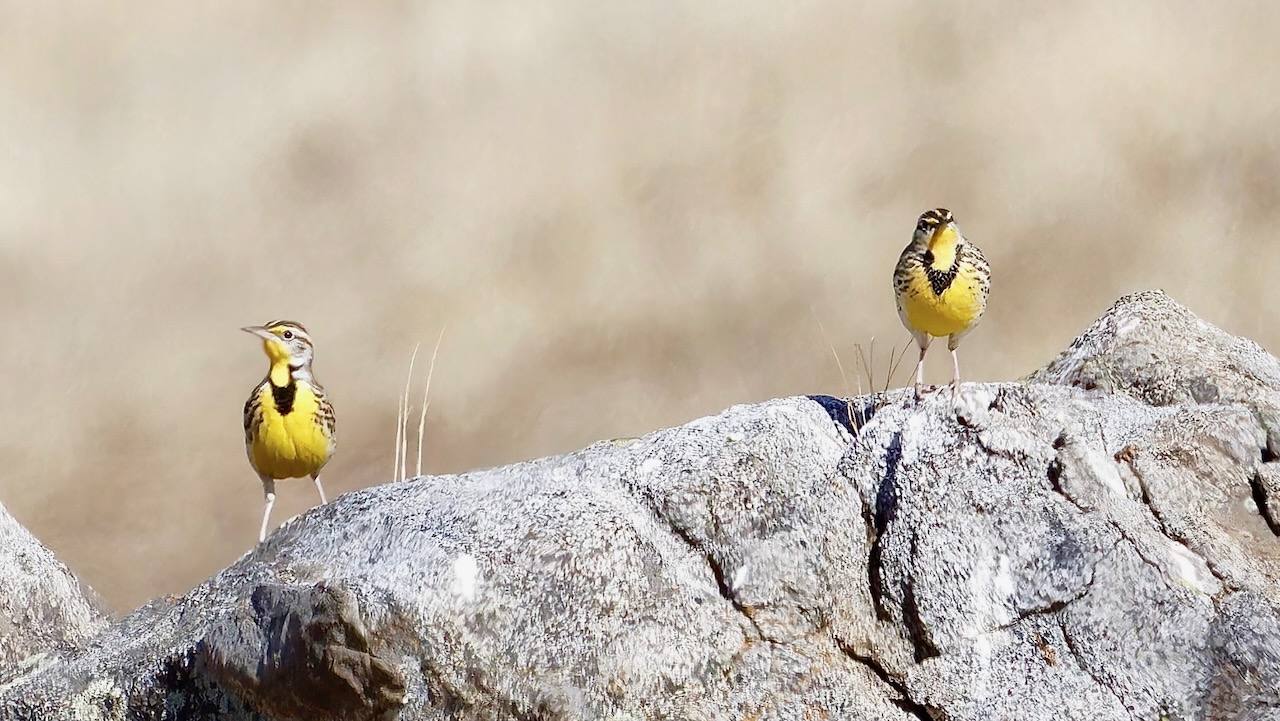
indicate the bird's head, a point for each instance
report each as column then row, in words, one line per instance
column 937, row 232
column 285, row 342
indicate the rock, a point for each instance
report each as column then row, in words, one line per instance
column 1097, row 543
column 302, row 650
column 44, row 609
column 1149, row 347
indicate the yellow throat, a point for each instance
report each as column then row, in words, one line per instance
column 942, row 247
column 279, row 357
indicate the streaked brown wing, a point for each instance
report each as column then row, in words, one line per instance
column 325, row 415
column 253, row 412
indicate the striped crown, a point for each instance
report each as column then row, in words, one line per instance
column 933, row 218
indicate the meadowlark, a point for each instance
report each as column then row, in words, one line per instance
column 289, row 429
column 941, row 283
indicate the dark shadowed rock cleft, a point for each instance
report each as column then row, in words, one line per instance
column 302, row 652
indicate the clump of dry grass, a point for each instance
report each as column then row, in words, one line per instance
column 400, row 460
column 859, row 414
column 866, row 362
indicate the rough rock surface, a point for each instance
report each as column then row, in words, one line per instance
column 1097, row 543
column 44, row 611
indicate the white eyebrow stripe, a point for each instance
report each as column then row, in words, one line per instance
column 294, row 326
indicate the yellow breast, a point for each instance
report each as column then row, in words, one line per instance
column 291, row 445
column 956, row 310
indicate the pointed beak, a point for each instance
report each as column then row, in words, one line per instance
column 939, row 232
column 259, row 331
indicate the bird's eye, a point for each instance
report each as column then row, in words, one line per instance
column 287, row 335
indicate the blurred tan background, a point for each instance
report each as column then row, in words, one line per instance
column 628, row 215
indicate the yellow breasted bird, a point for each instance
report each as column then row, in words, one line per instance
column 941, row 283
column 289, row 427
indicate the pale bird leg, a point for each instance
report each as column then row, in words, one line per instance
column 320, row 488
column 920, row 374
column 955, row 376
column 269, row 487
